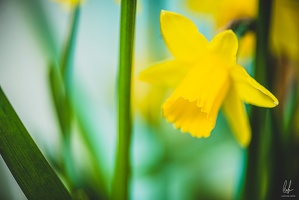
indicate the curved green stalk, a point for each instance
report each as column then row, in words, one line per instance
column 60, row 83
column 25, row 161
column 242, row 26
column 61, row 86
column 122, row 170
column 256, row 180
column 69, row 49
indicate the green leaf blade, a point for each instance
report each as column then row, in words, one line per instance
column 24, row 159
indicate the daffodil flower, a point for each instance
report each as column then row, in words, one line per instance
column 205, row 76
column 285, row 29
column 225, row 10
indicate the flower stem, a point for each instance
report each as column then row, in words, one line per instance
column 256, row 178
column 66, row 68
column 69, row 49
column 60, row 83
column 122, row 169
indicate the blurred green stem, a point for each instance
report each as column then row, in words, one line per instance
column 66, row 68
column 120, row 183
column 61, row 85
column 256, row 180
column 242, row 26
column 60, row 81
column 69, row 49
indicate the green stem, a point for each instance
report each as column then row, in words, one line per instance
column 263, row 68
column 242, row 26
column 256, row 181
column 122, row 169
column 69, row 49
column 60, row 82
column 66, row 67
column 98, row 185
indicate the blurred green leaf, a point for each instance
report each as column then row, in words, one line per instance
column 60, row 79
column 66, row 64
column 24, row 159
column 61, row 88
column 60, row 84
column 61, row 102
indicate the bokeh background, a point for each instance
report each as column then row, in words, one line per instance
column 166, row 164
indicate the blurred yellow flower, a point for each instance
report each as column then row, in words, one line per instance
column 69, row 4
column 285, row 28
column 247, row 45
column 225, row 10
column 147, row 100
column 205, row 76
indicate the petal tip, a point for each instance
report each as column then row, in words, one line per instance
column 245, row 140
column 165, row 12
column 230, row 31
column 163, row 15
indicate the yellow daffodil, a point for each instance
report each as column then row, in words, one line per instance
column 205, row 76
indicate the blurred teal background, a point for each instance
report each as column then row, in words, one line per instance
column 166, row 164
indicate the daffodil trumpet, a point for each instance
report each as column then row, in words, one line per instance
column 205, row 77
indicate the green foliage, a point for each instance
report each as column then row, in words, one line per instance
column 24, row 159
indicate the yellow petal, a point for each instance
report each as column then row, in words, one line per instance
column 167, row 73
column 225, row 44
column 182, row 37
column 250, row 91
column 188, row 117
column 285, row 29
column 236, row 115
column 224, row 11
